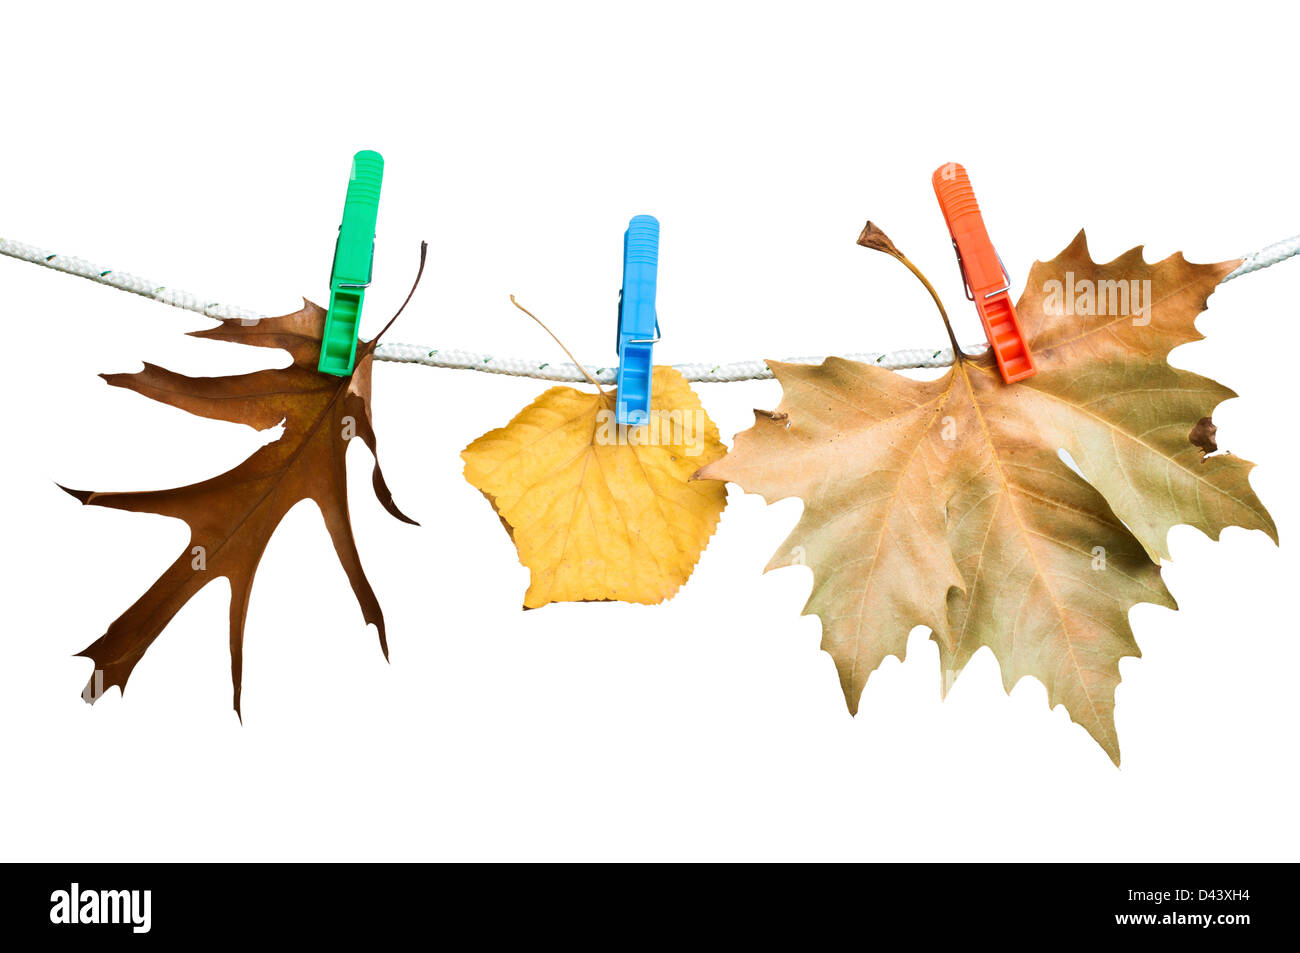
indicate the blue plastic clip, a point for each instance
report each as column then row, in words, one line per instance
column 638, row 324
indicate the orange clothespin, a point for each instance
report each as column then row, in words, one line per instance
column 987, row 282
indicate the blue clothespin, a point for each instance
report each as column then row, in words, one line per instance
column 638, row 324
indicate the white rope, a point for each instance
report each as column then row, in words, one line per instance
column 542, row 370
column 701, row 373
column 121, row 280
column 1266, row 256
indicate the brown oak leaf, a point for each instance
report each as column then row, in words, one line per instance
column 232, row 516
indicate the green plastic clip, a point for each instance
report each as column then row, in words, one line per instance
column 354, row 258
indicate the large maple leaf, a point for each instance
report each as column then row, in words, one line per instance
column 232, row 516
column 599, row 511
column 945, row 503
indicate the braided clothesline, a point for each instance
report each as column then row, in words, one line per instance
column 542, row 370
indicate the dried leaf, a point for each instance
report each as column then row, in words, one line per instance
column 598, row 511
column 232, row 516
column 945, row 503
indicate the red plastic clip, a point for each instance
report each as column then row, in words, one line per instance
column 987, row 282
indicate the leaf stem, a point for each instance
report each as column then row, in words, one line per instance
column 956, row 349
column 424, row 253
column 872, row 237
column 575, row 361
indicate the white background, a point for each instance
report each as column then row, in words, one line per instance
column 208, row 147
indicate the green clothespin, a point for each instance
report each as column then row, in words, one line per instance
column 354, row 258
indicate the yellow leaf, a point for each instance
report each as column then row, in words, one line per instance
column 597, row 511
